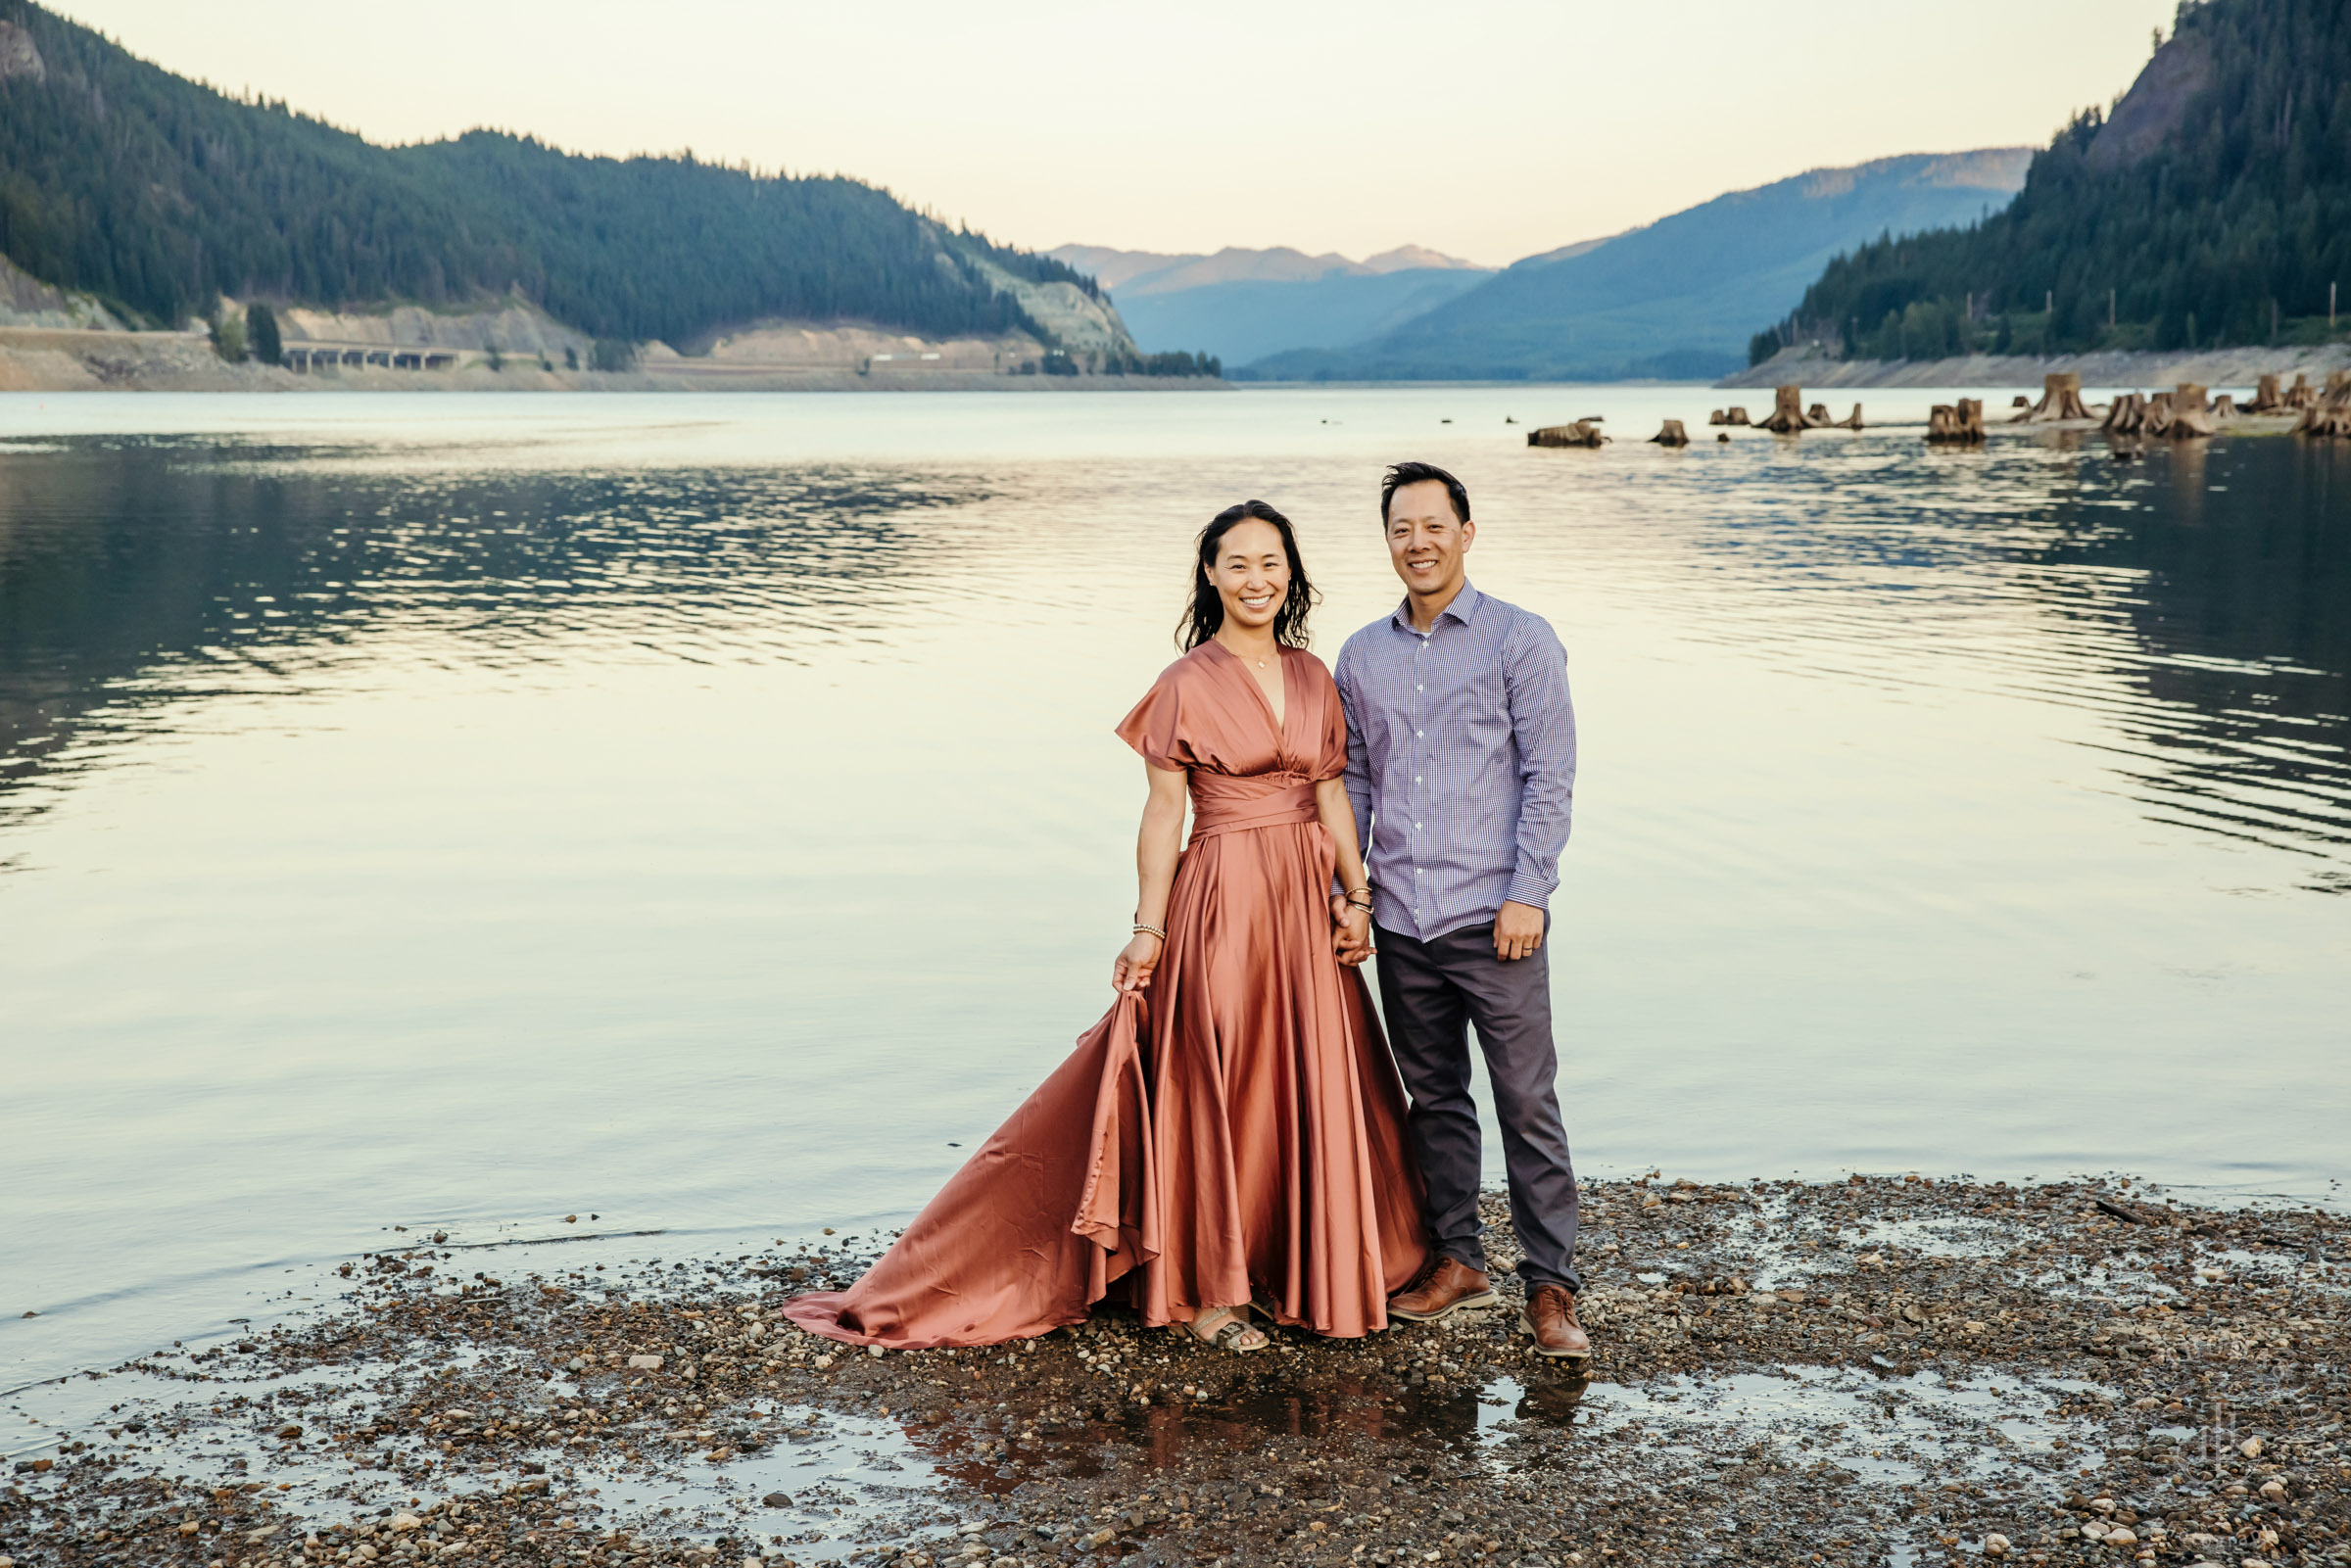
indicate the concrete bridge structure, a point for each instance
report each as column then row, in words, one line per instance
column 305, row 357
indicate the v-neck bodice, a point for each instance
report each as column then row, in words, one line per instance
column 1206, row 713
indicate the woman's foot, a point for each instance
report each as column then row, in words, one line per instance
column 1228, row 1329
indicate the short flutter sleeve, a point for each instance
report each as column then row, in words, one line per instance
column 1330, row 748
column 1155, row 728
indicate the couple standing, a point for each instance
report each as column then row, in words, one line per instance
column 1234, row 1134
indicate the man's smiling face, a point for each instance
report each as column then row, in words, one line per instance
column 1427, row 541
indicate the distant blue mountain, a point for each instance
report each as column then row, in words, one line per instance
column 1241, row 304
column 1675, row 300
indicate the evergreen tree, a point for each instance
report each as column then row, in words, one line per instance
column 260, row 335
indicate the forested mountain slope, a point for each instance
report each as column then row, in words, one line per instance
column 2212, row 207
column 159, row 195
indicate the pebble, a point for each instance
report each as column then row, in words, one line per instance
column 645, row 1363
column 1996, row 1545
column 2273, row 1489
column 2250, row 1448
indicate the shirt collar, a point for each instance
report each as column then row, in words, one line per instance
column 1461, row 611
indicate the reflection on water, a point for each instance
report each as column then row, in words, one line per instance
column 708, row 817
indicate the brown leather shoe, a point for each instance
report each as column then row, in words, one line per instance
column 1443, row 1290
column 1550, row 1316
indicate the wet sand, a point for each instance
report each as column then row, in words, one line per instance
column 1877, row 1371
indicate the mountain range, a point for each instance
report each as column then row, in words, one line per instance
column 1243, row 305
column 1676, row 299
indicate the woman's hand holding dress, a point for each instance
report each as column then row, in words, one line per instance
column 1132, row 970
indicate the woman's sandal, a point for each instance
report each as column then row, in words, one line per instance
column 1229, row 1334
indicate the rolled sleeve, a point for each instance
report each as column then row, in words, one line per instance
column 1543, row 721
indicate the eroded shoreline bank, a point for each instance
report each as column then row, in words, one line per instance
column 1876, row 1371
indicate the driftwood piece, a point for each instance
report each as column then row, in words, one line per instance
column 1672, row 434
column 2266, row 397
column 1959, row 424
column 1787, row 418
column 1733, row 415
column 2060, row 398
column 1582, row 433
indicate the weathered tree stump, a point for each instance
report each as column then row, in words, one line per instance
column 2191, row 423
column 2158, row 419
column 1854, row 422
column 1582, row 433
column 1671, row 434
column 2266, row 397
column 2302, row 395
column 2060, row 398
column 2021, row 401
column 1733, row 415
column 1959, row 424
column 2330, row 415
column 2191, row 398
column 1787, row 418
column 2224, row 406
column 2126, row 415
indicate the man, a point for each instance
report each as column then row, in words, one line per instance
column 1461, row 763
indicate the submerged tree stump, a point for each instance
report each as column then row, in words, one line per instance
column 2126, row 415
column 2266, row 398
column 1787, row 418
column 1959, row 424
column 1671, row 434
column 1854, row 422
column 1733, row 415
column 2158, row 419
column 2060, row 398
column 2329, row 416
column 1582, row 433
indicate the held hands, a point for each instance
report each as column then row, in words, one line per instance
column 1130, row 971
column 1517, row 931
column 1350, row 933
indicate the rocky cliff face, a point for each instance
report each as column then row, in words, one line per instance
column 1081, row 324
column 27, row 302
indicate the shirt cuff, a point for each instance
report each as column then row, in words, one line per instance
column 1534, row 895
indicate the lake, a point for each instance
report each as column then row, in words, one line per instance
column 700, row 814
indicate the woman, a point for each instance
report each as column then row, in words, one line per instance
column 1233, row 1131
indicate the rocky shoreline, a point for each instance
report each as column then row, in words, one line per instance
column 2207, row 367
column 1884, row 1370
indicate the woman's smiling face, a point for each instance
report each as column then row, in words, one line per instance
column 1250, row 573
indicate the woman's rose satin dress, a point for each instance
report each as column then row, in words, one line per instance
column 1234, row 1134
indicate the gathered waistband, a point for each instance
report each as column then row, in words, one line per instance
column 1222, row 804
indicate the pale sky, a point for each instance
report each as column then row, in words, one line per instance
column 1487, row 130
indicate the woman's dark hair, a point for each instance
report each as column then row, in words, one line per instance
column 1403, row 474
column 1204, row 613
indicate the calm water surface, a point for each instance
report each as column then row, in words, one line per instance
column 703, row 812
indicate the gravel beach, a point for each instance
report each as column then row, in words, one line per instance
column 1877, row 1371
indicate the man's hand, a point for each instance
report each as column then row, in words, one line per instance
column 1517, row 931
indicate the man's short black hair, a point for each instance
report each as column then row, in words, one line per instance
column 1402, row 474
